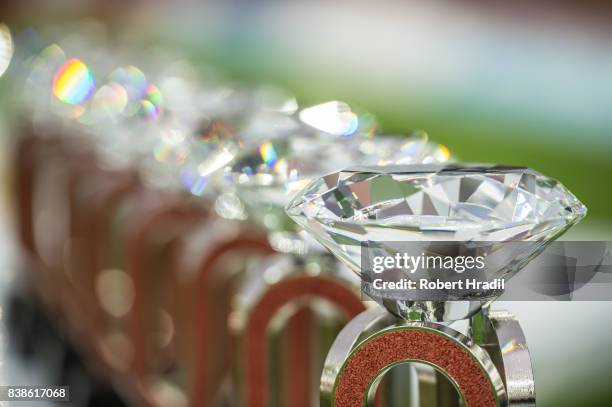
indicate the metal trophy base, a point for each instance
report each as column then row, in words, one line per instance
column 490, row 366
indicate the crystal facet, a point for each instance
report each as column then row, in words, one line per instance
column 452, row 203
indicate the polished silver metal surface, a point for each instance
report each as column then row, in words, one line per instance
column 376, row 321
column 501, row 335
column 434, row 311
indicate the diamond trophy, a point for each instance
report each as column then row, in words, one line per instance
column 468, row 207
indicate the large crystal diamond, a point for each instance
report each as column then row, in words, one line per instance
column 433, row 203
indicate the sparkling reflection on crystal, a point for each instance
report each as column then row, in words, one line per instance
column 268, row 154
column 335, row 118
column 218, row 158
column 201, row 152
column 151, row 104
column 73, row 83
column 433, row 203
column 229, row 206
column 194, row 182
column 6, row 48
column 148, row 110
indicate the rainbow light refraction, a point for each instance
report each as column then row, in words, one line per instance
column 268, row 154
column 152, row 103
column 73, row 83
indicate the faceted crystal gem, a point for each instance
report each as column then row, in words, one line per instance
column 434, row 203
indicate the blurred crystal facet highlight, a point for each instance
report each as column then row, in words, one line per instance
column 6, row 48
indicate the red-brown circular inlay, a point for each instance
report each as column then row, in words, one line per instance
column 387, row 349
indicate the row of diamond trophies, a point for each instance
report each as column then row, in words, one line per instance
column 176, row 225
